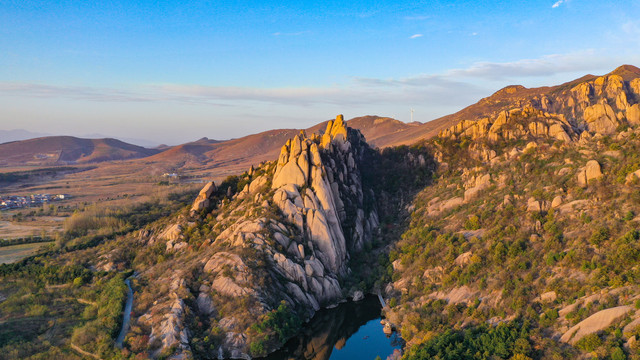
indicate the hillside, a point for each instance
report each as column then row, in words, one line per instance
column 231, row 156
column 513, row 233
column 532, row 224
column 284, row 244
column 55, row 150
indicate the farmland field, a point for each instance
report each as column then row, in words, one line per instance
column 9, row 254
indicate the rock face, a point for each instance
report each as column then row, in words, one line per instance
column 316, row 195
column 591, row 171
column 289, row 235
column 515, row 124
column 598, row 105
column 594, row 323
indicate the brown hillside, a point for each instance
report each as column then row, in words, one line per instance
column 54, row 150
column 235, row 155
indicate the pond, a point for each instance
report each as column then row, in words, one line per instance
column 349, row 331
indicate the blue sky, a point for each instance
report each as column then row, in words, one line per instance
column 172, row 71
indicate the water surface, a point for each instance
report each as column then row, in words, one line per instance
column 349, row 331
column 126, row 317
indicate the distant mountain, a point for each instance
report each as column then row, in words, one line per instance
column 226, row 155
column 17, row 135
column 238, row 154
column 135, row 141
column 54, row 150
column 517, row 223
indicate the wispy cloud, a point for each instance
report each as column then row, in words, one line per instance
column 557, row 3
column 88, row 93
column 549, row 65
column 453, row 88
column 415, row 36
column 580, row 61
column 71, row 92
column 357, row 92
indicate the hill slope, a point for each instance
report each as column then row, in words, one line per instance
column 231, row 156
column 68, row 150
column 532, row 223
column 523, row 243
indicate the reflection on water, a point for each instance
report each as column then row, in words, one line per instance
column 349, row 331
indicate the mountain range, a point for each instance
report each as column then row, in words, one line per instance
column 508, row 230
column 379, row 131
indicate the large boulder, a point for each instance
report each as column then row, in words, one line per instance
column 601, row 119
column 591, row 171
column 633, row 114
column 594, row 323
column 202, row 201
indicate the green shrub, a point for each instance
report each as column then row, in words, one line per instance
column 589, row 342
column 472, row 223
column 599, row 236
column 482, row 342
column 618, row 354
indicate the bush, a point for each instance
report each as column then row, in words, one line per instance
column 486, row 342
column 599, row 236
column 618, row 354
column 472, row 223
column 274, row 328
column 589, row 342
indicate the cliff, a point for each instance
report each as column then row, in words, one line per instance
column 287, row 235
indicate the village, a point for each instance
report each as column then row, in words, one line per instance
column 8, row 202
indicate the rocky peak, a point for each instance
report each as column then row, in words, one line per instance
column 303, row 216
column 627, row 72
column 598, row 105
column 317, row 183
column 511, row 89
column 336, row 130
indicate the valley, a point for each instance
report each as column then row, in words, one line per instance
column 508, row 230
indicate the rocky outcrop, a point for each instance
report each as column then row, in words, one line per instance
column 202, row 201
column 318, row 188
column 594, row 323
column 514, row 124
column 168, row 322
column 591, row 171
column 316, row 195
column 288, row 235
column 597, row 105
column 601, row 119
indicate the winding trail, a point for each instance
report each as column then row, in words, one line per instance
column 85, row 353
column 127, row 315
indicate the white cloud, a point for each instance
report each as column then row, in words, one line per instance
column 548, row 65
column 557, row 3
column 447, row 91
column 415, row 36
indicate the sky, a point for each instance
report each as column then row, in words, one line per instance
column 176, row 71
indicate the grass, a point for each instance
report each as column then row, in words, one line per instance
column 10, row 254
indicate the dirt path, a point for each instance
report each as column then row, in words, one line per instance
column 87, row 302
column 85, row 353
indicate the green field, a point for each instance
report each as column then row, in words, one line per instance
column 9, row 254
